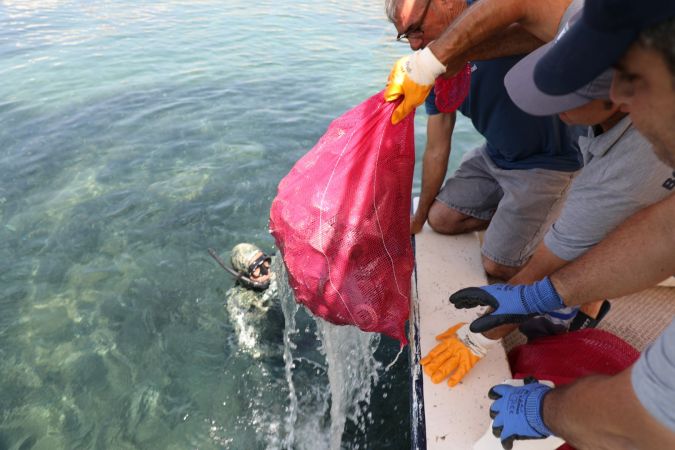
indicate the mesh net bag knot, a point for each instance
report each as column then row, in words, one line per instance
column 451, row 92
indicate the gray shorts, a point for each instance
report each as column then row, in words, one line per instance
column 520, row 204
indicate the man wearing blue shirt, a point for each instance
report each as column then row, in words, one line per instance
column 512, row 183
column 487, row 30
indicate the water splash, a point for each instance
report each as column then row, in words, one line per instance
column 351, row 371
column 290, row 308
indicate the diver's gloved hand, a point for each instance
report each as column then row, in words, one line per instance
column 457, row 353
column 511, row 304
column 413, row 78
column 517, row 412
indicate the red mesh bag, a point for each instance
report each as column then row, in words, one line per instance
column 451, row 92
column 566, row 357
column 341, row 220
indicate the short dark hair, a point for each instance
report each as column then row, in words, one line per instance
column 661, row 38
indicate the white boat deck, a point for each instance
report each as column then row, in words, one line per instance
column 445, row 418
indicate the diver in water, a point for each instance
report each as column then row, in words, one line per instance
column 252, row 303
column 251, row 269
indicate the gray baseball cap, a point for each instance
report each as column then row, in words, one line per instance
column 519, row 82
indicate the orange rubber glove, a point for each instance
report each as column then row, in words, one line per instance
column 412, row 77
column 459, row 350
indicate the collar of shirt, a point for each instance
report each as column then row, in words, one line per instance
column 598, row 146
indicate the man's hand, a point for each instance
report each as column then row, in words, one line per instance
column 510, row 304
column 517, row 412
column 412, row 77
column 459, row 350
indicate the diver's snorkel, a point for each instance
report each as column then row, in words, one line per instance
column 241, row 277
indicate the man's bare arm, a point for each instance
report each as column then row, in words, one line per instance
column 514, row 40
column 434, row 164
column 603, row 413
column 543, row 262
column 637, row 255
column 483, row 21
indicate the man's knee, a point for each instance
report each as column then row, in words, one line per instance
column 445, row 220
column 500, row 271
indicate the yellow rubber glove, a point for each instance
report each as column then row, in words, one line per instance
column 459, row 350
column 412, row 77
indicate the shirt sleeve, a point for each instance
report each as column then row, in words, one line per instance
column 653, row 378
column 430, row 103
column 587, row 217
column 606, row 192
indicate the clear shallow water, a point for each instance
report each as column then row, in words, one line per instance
column 135, row 135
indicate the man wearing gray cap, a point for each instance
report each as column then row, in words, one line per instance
column 621, row 175
column 634, row 409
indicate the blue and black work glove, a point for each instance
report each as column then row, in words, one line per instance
column 517, row 412
column 510, row 304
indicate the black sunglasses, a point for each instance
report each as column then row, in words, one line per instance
column 414, row 28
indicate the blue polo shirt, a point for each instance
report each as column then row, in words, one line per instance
column 515, row 139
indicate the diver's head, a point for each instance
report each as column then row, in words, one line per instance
column 250, row 261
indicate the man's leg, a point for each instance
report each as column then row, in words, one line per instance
column 531, row 200
column 468, row 198
column 500, row 271
column 468, row 202
column 445, row 220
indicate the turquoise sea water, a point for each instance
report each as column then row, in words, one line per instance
column 133, row 136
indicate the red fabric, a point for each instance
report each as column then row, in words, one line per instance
column 451, row 92
column 566, row 357
column 341, row 220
